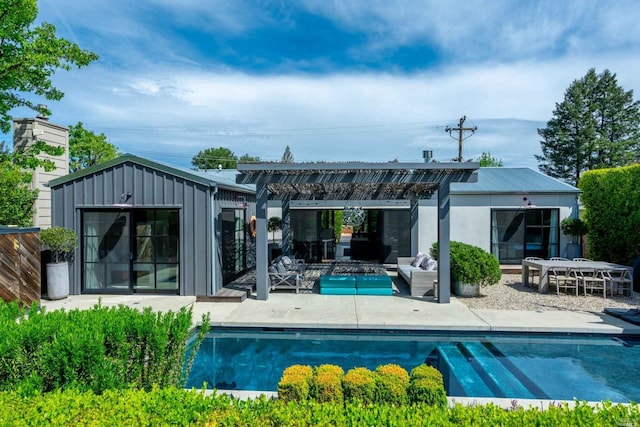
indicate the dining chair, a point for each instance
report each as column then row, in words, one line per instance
column 618, row 278
column 533, row 272
column 564, row 278
column 558, row 258
column 582, row 259
column 592, row 280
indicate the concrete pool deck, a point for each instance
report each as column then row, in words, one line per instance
column 288, row 310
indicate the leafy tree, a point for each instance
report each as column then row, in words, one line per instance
column 487, row 160
column 88, row 149
column 287, row 157
column 16, row 196
column 246, row 158
column 29, row 56
column 597, row 125
column 212, row 157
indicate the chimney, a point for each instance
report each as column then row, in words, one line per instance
column 427, row 155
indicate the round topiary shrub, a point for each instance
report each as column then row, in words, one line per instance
column 426, row 371
column 295, row 383
column 426, row 390
column 471, row 264
column 327, row 384
column 426, row 386
column 391, row 384
column 359, row 384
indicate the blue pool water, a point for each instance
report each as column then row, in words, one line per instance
column 593, row 368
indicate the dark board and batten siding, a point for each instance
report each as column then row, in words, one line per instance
column 149, row 188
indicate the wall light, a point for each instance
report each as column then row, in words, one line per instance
column 527, row 203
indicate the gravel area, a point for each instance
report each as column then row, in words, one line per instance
column 510, row 294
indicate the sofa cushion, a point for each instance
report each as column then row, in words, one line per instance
column 418, row 259
column 429, row 264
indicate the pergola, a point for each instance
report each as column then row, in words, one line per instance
column 354, row 182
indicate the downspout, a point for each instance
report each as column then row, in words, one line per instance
column 214, row 253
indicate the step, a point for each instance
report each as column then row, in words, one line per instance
column 504, row 379
column 224, row 295
column 459, row 367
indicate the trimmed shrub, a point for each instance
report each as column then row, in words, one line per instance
column 295, row 383
column 426, row 386
column 97, row 349
column 426, row 390
column 391, row 384
column 327, row 384
column 426, row 371
column 471, row 264
column 359, row 384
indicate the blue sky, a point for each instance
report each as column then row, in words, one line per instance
column 334, row 80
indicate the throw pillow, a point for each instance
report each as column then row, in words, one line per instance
column 429, row 264
column 281, row 268
column 286, row 261
column 418, row 259
column 272, row 269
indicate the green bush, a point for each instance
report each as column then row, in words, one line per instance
column 428, row 391
column 171, row 406
column 359, row 384
column 327, row 384
column 295, row 383
column 471, row 264
column 391, row 384
column 612, row 212
column 61, row 241
column 97, row 349
column 426, row 371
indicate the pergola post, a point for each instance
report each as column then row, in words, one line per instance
column 413, row 206
column 286, row 226
column 444, row 244
column 262, row 276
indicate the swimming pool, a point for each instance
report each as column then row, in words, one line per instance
column 539, row 366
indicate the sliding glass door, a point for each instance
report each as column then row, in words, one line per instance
column 517, row 234
column 126, row 251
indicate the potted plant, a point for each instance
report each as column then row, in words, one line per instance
column 471, row 267
column 61, row 241
column 576, row 228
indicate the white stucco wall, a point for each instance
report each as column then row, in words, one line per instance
column 471, row 216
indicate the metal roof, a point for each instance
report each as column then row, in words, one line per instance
column 496, row 180
column 212, row 178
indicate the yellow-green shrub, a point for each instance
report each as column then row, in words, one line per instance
column 426, row 386
column 391, row 384
column 295, row 383
column 426, row 371
column 359, row 384
column 327, row 384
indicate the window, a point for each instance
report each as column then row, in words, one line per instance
column 517, row 234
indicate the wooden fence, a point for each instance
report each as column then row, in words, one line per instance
column 20, row 264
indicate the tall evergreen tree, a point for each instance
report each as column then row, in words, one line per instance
column 597, row 125
column 287, row 157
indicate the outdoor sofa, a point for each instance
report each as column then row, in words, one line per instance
column 420, row 279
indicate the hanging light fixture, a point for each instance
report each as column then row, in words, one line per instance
column 353, row 216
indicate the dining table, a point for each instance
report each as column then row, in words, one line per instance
column 544, row 265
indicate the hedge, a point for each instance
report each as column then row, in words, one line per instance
column 612, row 213
column 97, row 349
column 171, row 406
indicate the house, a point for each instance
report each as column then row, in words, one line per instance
column 146, row 226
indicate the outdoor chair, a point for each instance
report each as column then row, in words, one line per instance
column 532, row 272
column 618, row 279
column 582, row 259
column 592, row 280
column 286, row 273
column 558, row 258
column 563, row 278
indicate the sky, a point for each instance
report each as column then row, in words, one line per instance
column 352, row 80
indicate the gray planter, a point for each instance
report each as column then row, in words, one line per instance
column 58, row 280
column 467, row 290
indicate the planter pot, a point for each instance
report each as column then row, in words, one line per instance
column 467, row 290
column 58, row 280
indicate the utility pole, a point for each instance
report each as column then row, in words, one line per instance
column 461, row 130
